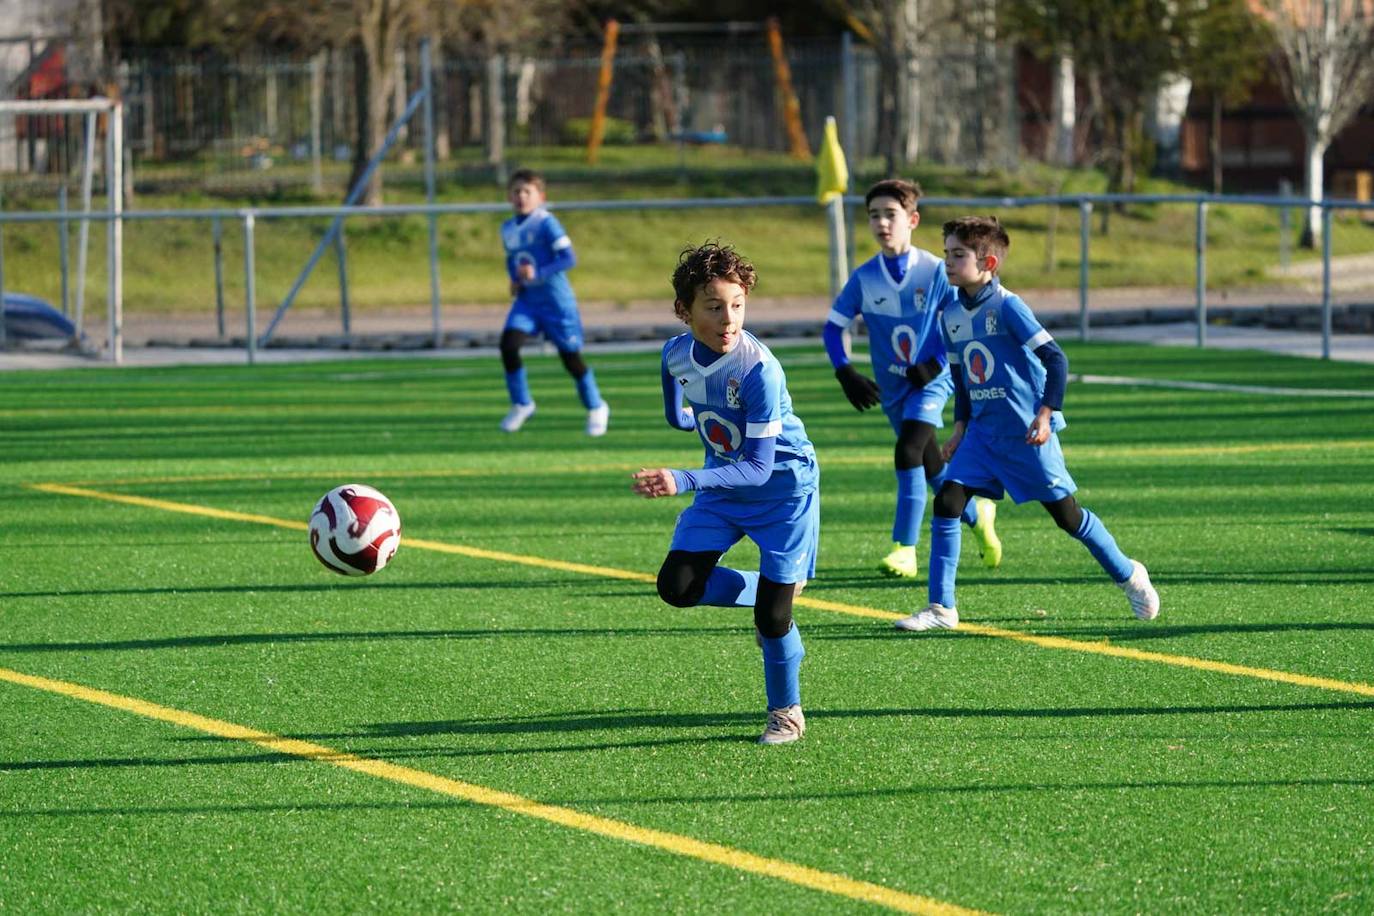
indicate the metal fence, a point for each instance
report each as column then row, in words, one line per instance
column 248, row 218
column 218, row 121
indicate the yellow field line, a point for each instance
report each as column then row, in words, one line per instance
column 854, row 610
column 717, row 854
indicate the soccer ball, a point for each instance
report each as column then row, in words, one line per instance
column 354, row 530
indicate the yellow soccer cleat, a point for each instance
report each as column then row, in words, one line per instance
column 901, row 562
column 989, row 544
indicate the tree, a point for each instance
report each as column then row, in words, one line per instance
column 1123, row 49
column 1225, row 53
column 1327, row 51
column 891, row 28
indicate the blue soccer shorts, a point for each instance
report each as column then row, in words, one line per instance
column 989, row 465
column 787, row 531
column 560, row 325
column 925, row 405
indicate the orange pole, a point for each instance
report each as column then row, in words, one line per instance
column 791, row 108
column 603, row 91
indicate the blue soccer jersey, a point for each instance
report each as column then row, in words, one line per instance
column 539, row 239
column 992, row 338
column 743, row 394
column 901, row 317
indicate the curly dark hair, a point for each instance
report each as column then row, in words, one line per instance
column 697, row 266
column 984, row 234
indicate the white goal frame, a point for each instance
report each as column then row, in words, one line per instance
column 114, row 180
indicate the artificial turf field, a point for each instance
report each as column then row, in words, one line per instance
column 198, row 717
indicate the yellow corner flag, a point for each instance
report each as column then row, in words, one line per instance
column 832, row 175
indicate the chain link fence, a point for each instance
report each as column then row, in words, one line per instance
column 216, row 123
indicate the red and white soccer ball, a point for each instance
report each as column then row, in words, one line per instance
column 355, row 530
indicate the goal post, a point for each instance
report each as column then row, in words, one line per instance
column 91, row 109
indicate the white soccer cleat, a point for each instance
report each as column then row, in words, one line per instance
column 935, row 617
column 1144, row 599
column 517, row 416
column 598, row 418
column 784, row 725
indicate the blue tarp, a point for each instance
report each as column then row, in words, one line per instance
column 30, row 318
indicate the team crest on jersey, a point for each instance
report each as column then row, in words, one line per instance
column 991, row 323
column 904, row 343
column 722, row 436
column 732, row 393
column 920, row 299
column 978, row 362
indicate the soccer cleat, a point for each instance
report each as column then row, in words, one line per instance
column 935, row 617
column 901, row 562
column 784, row 725
column 1144, row 599
column 989, row 544
column 598, row 418
column 517, row 416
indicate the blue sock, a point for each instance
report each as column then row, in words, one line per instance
column 1102, row 546
column 587, row 390
column 727, row 587
column 518, row 386
column 781, row 663
column 970, row 516
column 911, row 505
column 945, row 535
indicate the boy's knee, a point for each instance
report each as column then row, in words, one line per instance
column 679, row 587
column 911, row 444
column 573, row 362
column 1067, row 514
column 951, row 500
column 773, row 608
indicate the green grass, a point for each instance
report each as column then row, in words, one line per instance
column 169, row 264
column 974, row 770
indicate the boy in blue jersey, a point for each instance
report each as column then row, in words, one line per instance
column 900, row 292
column 1009, row 380
column 538, row 256
column 760, row 477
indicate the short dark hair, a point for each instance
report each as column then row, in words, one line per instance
column 906, row 193
column 984, row 234
column 525, row 176
column 697, row 266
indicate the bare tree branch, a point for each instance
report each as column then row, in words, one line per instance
column 1327, row 48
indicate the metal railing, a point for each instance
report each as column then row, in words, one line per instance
column 1085, row 204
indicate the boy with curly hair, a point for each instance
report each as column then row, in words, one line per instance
column 760, row 478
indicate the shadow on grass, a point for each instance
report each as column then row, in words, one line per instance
column 744, row 630
column 633, row 718
column 747, row 724
column 924, row 789
column 334, row 584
